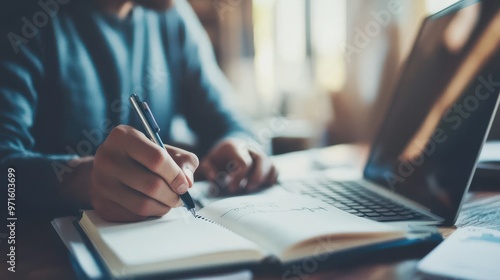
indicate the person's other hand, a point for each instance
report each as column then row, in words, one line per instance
column 237, row 167
column 133, row 178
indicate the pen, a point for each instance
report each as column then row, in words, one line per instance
column 152, row 129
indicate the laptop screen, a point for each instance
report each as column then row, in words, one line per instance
column 442, row 109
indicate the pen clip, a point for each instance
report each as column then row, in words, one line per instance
column 149, row 116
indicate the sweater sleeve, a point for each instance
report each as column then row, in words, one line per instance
column 37, row 175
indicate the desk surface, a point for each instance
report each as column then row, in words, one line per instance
column 41, row 255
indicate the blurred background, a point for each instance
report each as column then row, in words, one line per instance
column 312, row 73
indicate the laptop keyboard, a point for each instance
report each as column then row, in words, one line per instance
column 355, row 199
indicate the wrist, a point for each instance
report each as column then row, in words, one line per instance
column 75, row 188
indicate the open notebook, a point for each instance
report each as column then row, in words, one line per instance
column 238, row 230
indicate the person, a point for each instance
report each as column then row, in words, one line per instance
column 69, row 133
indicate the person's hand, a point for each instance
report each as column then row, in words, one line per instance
column 237, row 167
column 133, row 178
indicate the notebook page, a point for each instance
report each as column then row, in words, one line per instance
column 279, row 220
column 173, row 237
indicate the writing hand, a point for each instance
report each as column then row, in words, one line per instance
column 133, row 178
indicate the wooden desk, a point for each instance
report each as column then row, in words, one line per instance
column 41, row 254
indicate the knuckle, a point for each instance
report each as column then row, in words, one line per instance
column 119, row 132
column 156, row 159
column 154, row 186
column 144, row 208
column 123, row 128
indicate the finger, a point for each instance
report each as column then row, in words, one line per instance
column 141, row 179
column 187, row 161
column 268, row 180
column 134, row 201
column 239, row 167
column 138, row 147
column 273, row 176
column 220, row 179
column 271, row 173
column 189, row 173
column 136, row 176
column 259, row 172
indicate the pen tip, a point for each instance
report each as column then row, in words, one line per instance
column 193, row 212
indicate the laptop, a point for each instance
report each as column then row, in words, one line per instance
column 424, row 155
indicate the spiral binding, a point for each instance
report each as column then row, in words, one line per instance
column 198, row 216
